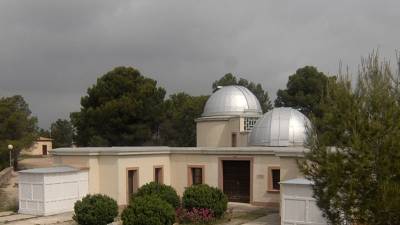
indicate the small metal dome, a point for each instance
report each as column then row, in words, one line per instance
column 280, row 127
column 232, row 100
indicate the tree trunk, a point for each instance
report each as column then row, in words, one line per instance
column 15, row 155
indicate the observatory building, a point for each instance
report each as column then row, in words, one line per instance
column 243, row 152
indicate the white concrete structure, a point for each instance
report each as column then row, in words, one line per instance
column 48, row 191
column 298, row 207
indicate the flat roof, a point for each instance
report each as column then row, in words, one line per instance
column 55, row 169
column 293, row 151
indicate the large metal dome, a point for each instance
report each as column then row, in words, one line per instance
column 280, row 127
column 232, row 100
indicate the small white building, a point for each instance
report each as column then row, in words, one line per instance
column 298, row 207
column 48, row 191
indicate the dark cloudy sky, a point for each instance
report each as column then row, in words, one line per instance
column 51, row 51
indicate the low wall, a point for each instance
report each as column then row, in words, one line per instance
column 5, row 174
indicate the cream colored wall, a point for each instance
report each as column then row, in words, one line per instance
column 218, row 133
column 179, row 166
column 108, row 181
column 180, row 163
column 74, row 161
column 289, row 168
column 36, row 148
column 145, row 164
column 213, row 133
column 260, row 179
column 108, row 174
column 90, row 162
column 235, row 126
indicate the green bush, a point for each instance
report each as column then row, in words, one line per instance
column 149, row 209
column 95, row 210
column 204, row 196
column 165, row 192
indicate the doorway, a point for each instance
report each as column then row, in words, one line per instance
column 132, row 182
column 44, row 149
column 236, row 180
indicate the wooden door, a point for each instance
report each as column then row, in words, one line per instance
column 44, row 149
column 236, row 180
column 132, row 183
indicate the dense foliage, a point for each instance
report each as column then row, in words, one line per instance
column 95, row 210
column 17, row 127
column 354, row 160
column 123, row 108
column 44, row 133
column 256, row 89
column 148, row 209
column 164, row 192
column 205, row 197
column 304, row 91
column 179, row 126
column 61, row 133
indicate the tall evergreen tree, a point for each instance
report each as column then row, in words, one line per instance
column 354, row 159
column 44, row 133
column 123, row 108
column 179, row 126
column 61, row 133
column 17, row 127
column 304, row 91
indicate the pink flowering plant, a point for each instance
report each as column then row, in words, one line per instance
column 195, row 216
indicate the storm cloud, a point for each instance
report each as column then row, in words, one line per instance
column 52, row 51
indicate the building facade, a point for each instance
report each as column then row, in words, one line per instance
column 41, row 146
column 243, row 152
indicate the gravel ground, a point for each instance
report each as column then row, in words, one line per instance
column 9, row 194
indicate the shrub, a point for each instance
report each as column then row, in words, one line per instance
column 149, row 209
column 165, row 192
column 195, row 216
column 95, row 210
column 204, row 196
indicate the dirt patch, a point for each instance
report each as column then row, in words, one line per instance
column 9, row 194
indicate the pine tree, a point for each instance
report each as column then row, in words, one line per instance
column 354, row 159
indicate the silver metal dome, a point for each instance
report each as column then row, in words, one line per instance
column 232, row 100
column 280, row 127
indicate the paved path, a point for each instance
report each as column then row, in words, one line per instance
column 22, row 219
column 271, row 219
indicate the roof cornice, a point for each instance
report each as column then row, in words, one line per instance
column 163, row 150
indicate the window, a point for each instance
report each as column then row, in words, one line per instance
column 249, row 123
column 234, row 140
column 158, row 175
column 195, row 175
column 132, row 182
column 274, row 177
